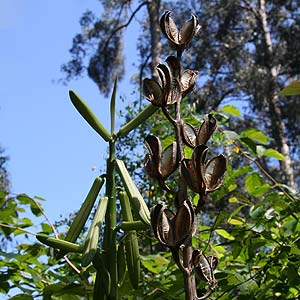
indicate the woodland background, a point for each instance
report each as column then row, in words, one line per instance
column 246, row 53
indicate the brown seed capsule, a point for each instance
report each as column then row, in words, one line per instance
column 170, row 229
column 160, row 164
column 197, row 136
column 179, row 39
column 214, row 173
column 204, row 177
column 204, row 267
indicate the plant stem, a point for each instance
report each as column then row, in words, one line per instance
column 109, row 242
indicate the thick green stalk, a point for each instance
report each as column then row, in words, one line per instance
column 139, row 119
column 134, row 225
column 109, row 242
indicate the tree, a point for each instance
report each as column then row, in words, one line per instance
column 245, row 53
column 251, row 224
column 4, row 181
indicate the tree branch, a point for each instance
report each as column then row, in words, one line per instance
column 124, row 25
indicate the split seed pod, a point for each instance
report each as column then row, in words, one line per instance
column 196, row 136
column 162, row 92
column 204, row 267
column 185, row 79
column 179, row 39
column 170, row 229
column 204, row 177
column 159, row 164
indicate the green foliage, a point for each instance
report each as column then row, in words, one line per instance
column 251, row 224
column 28, row 269
column 291, row 90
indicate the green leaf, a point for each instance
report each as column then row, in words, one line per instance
column 273, row 153
column 289, row 228
column 231, row 110
column 2, row 195
column 24, row 199
column 154, row 263
column 223, row 233
column 230, row 135
column 46, row 228
column 255, row 186
column 236, row 220
column 292, row 89
column 260, row 150
column 255, row 135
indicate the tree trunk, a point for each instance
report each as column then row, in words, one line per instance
column 277, row 123
column 153, row 12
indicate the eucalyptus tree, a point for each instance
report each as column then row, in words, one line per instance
column 4, row 180
column 246, row 53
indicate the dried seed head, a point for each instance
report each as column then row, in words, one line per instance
column 191, row 177
column 189, row 135
column 158, row 164
column 184, row 222
column 188, row 79
column 165, row 91
column 179, row 39
column 196, row 136
column 170, row 229
column 153, row 91
column 168, row 161
column 206, row 129
column 203, row 177
column 214, row 173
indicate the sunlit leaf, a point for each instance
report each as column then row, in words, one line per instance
column 292, row 89
column 223, row 233
column 230, row 135
column 260, row 150
column 231, row 110
column 236, row 221
column 255, row 186
column 255, row 135
column 273, row 153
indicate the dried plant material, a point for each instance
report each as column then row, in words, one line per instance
column 196, row 136
column 204, row 177
column 188, row 79
column 170, row 229
column 214, row 173
column 158, row 164
column 204, row 267
column 179, row 39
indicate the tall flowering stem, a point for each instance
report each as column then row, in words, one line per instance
column 176, row 229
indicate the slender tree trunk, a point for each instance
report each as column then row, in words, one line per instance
column 153, row 12
column 277, row 123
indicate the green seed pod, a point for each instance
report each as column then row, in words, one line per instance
column 131, row 244
column 92, row 239
column 89, row 116
column 135, row 196
column 59, row 244
column 83, row 214
column 103, row 279
column 132, row 258
column 121, row 261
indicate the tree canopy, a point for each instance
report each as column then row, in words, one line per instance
column 246, row 51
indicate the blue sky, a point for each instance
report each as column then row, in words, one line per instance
column 53, row 153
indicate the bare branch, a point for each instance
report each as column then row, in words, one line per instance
column 126, row 24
